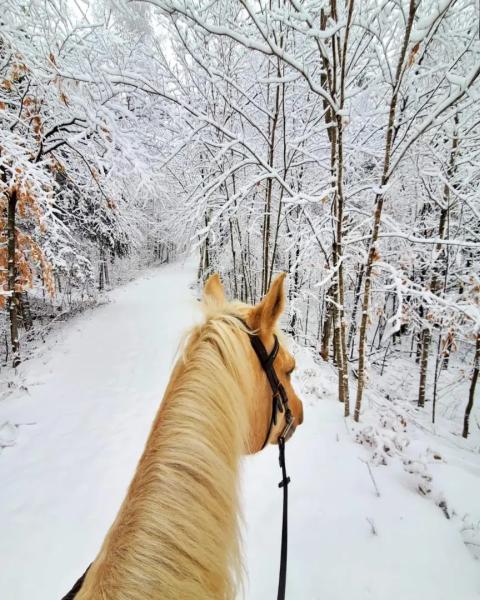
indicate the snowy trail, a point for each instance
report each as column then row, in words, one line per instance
column 92, row 396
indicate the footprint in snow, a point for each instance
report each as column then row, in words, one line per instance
column 8, row 434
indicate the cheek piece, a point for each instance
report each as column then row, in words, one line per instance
column 279, row 395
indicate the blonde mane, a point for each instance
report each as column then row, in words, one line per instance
column 176, row 535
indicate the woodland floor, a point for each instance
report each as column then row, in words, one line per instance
column 74, row 419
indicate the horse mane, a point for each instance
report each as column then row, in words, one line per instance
column 177, row 534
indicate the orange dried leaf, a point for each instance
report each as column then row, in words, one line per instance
column 413, row 53
column 376, row 255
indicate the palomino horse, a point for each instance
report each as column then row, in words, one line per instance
column 176, row 536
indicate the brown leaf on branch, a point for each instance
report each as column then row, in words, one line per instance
column 413, row 53
column 18, row 71
column 376, row 255
column 37, row 124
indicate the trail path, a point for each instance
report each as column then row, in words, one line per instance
column 81, row 424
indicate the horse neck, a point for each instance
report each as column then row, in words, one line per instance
column 176, row 535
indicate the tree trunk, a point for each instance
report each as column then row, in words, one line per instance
column 234, row 259
column 436, row 378
column 285, row 171
column 379, row 200
column 327, row 325
column 268, row 196
column 426, row 337
column 294, row 286
column 24, row 309
column 353, row 319
column 473, row 385
column 101, row 273
column 340, row 203
column 12, row 276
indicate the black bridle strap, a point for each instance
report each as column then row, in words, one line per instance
column 282, row 576
column 279, row 403
column 279, row 397
column 266, row 360
column 76, row 588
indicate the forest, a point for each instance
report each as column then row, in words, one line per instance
column 335, row 140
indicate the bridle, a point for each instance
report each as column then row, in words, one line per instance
column 279, row 404
column 279, row 395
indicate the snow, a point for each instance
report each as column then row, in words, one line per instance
column 415, row 552
column 8, row 434
column 425, row 23
column 92, row 396
column 76, row 418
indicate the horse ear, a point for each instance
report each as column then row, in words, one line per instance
column 266, row 314
column 213, row 289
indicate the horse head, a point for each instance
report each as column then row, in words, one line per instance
column 262, row 321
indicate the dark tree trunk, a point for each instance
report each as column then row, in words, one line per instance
column 24, row 308
column 473, row 385
column 353, row 319
column 327, row 325
column 12, row 276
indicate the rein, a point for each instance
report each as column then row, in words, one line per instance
column 279, row 404
column 76, row 588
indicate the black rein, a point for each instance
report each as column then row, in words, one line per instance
column 279, row 404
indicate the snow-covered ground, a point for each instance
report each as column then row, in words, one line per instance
column 74, row 421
